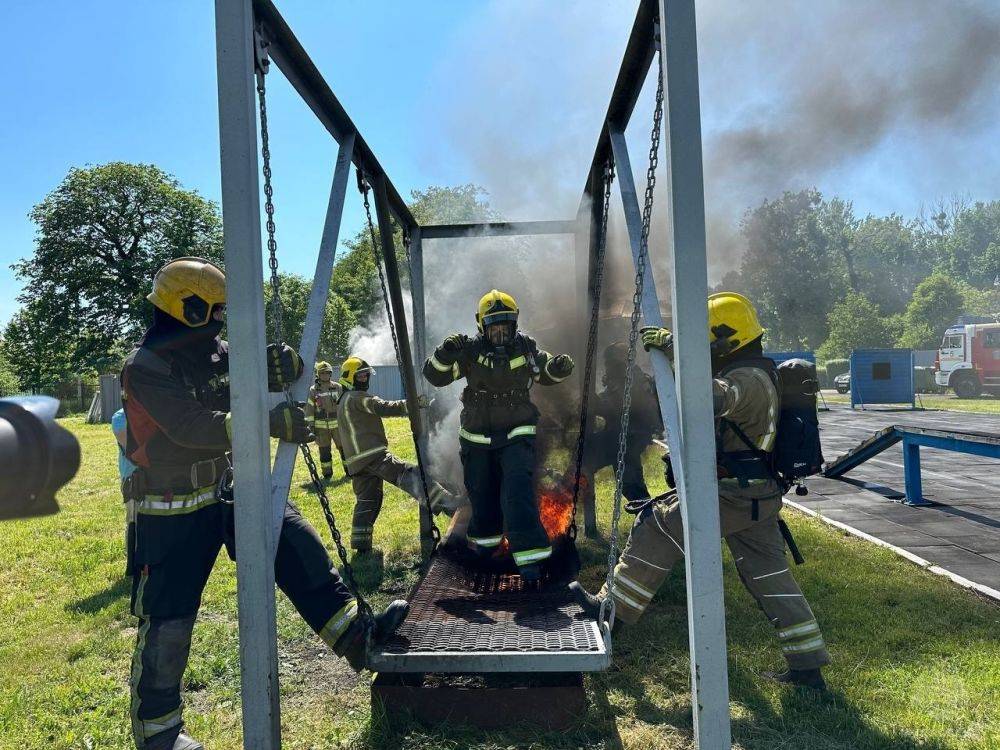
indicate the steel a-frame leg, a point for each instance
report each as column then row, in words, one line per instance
column 255, row 536
column 284, row 461
column 697, row 481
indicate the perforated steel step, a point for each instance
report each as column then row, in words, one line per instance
column 464, row 620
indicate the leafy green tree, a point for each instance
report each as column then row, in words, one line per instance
column 9, row 382
column 972, row 250
column 37, row 345
column 889, row 260
column 102, row 234
column 338, row 319
column 937, row 302
column 855, row 323
column 980, row 301
column 791, row 270
column 354, row 276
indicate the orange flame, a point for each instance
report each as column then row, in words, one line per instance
column 555, row 510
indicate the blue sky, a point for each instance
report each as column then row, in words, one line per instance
column 508, row 94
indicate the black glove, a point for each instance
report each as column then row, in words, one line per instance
column 284, row 366
column 561, row 366
column 288, row 423
column 453, row 344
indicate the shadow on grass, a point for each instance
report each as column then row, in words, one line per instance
column 369, row 569
column 103, row 599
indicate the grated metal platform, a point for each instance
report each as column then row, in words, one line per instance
column 464, row 620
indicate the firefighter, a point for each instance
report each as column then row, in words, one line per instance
column 321, row 410
column 366, row 453
column 497, row 434
column 176, row 398
column 746, row 400
column 643, row 424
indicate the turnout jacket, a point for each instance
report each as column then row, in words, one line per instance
column 176, row 403
column 496, row 403
column 744, row 394
column 362, row 434
column 321, row 406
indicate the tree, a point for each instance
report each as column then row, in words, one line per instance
column 37, row 346
column 937, row 302
column 791, row 270
column 984, row 302
column 102, row 234
column 889, row 260
column 856, row 323
column 338, row 319
column 972, row 251
column 354, row 275
column 9, row 382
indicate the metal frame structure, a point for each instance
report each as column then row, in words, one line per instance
column 247, row 30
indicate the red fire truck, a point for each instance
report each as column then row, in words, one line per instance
column 969, row 359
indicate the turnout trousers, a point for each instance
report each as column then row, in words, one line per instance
column 368, row 483
column 602, row 450
column 656, row 542
column 327, row 438
column 501, row 487
column 178, row 539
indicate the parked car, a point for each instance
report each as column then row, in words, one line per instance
column 842, row 382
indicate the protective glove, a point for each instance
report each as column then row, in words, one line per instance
column 284, row 366
column 423, row 402
column 600, row 423
column 561, row 366
column 453, row 343
column 288, row 423
column 658, row 338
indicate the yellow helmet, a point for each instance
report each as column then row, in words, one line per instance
column 496, row 307
column 731, row 317
column 350, row 369
column 323, row 366
column 187, row 289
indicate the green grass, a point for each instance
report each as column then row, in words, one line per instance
column 916, row 659
column 947, row 401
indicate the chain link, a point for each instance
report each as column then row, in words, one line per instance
column 365, row 188
column 595, row 314
column 633, row 337
column 319, row 487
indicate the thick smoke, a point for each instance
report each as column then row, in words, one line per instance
column 794, row 95
column 832, row 84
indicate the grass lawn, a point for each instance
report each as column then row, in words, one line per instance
column 946, row 401
column 916, row 659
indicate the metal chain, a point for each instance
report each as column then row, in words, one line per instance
column 588, row 371
column 364, row 609
column 365, row 188
column 633, row 337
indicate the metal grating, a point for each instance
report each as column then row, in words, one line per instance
column 464, row 620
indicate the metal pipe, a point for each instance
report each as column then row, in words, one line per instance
column 284, row 460
column 697, row 482
column 402, row 334
column 498, row 229
column 248, row 376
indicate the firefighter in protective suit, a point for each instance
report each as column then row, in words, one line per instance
column 175, row 387
column 366, row 453
column 498, row 420
column 321, row 410
column 745, row 399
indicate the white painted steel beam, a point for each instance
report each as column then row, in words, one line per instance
column 248, row 375
column 698, row 485
column 284, row 462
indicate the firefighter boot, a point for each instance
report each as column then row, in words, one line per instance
column 589, row 603
column 181, row 742
column 352, row 644
column 530, row 573
column 810, row 678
